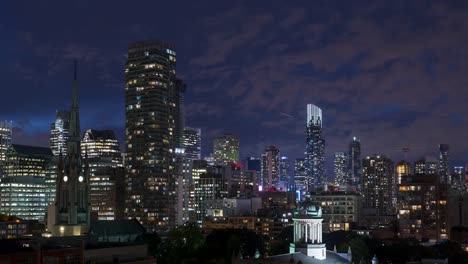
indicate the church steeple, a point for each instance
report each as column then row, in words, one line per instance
column 72, row 207
column 74, row 130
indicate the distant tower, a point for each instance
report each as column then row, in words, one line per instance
column 444, row 166
column 192, row 143
column 226, row 149
column 5, row 142
column 340, row 168
column 59, row 133
column 354, row 162
column 72, row 210
column 315, row 147
column 285, row 179
column 300, row 176
column 270, row 167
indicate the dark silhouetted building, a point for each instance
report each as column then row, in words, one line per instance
column 72, row 207
column 354, row 163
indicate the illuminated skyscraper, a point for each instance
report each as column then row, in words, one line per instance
column 354, row 163
column 153, row 118
column 226, row 149
column 378, row 186
column 192, row 143
column 444, row 166
column 5, row 139
column 270, row 167
column 101, row 150
column 285, row 178
column 101, row 144
column 315, row 148
column 59, row 133
column 300, row 176
column 340, row 168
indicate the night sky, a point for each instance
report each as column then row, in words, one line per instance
column 392, row 73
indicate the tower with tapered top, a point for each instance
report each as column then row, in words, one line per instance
column 72, row 207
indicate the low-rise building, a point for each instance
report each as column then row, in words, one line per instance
column 340, row 210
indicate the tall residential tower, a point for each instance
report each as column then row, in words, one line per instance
column 152, row 132
column 315, row 148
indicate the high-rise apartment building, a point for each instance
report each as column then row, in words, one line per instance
column 226, row 149
column 102, row 144
column 422, row 208
column 192, row 143
column 354, row 163
column 315, row 148
column 378, row 186
column 59, row 133
column 270, row 167
column 340, row 168
column 285, row 178
column 300, row 176
column 443, row 165
column 6, row 129
column 153, row 112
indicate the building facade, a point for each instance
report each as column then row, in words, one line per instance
column 59, row 133
column 24, row 189
column 192, row 143
column 422, row 208
column 378, row 186
column 226, row 149
column 23, row 197
column 403, row 168
column 270, row 167
column 340, row 168
column 102, row 144
column 153, row 112
column 300, row 176
column 340, row 210
column 315, row 148
column 6, row 129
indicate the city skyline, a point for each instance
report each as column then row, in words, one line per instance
column 393, row 98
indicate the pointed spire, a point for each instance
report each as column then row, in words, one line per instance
column 75, row 85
